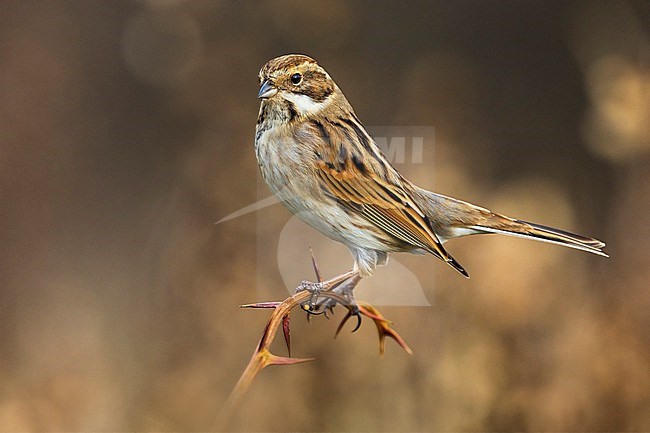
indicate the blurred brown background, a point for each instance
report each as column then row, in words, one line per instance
column 126, row 131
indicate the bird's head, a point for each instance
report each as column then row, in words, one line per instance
column 298, row 82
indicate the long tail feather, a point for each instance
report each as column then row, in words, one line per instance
column 452, row 218
column 524, row 229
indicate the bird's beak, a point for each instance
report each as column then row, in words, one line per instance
column 267, row 90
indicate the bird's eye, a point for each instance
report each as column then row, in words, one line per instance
column 296, row 79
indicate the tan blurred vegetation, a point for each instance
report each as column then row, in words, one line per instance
column 126, row 131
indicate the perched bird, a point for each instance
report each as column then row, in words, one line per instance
column 318, row 159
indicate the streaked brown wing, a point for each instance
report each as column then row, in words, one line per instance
column 385, row 205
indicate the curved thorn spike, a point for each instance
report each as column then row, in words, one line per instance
column 315, row 265
column 270, row 304
column 284, row 360
column 286, row 330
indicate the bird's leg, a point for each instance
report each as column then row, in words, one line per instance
column 346, row 290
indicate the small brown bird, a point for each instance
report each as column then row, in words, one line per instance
column 318, row 159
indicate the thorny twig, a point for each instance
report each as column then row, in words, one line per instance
column 262, row 356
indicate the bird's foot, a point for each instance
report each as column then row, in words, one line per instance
column 325, row 297
column 311, row 306
column 343, row 295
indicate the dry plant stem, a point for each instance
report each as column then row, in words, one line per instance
column 262, row 357
column 383, row 328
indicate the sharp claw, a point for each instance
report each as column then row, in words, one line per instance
column 338, row 329
column 328, row 310
column 350, row 313
column 358, row 322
